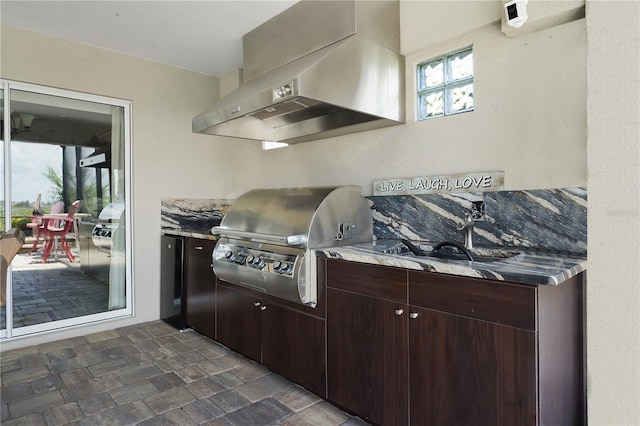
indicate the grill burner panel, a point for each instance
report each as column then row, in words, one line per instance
column 261, row 266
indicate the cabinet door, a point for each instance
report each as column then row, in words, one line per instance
column 200, row 287
column 465, row 371
column 367, row 356
column 239, row 321
column 171, row 281
column 293, row 345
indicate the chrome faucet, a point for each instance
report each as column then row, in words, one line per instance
column 466, row 225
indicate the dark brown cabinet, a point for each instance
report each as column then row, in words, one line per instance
column 465, row 371
column 239, row 321
column 199, row 287
column 293, row 345
column 508, row 353
column 367, row 341
column 409, row 347
column 470, row 361
column 285, row 340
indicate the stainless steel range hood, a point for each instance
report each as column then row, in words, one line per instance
column 342, row 74
column 101, row 158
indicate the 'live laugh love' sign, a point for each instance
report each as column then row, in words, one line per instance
column 473, row 182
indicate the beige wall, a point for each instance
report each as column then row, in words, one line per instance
column 530, row 120
column 613, row 117
column 168, row 159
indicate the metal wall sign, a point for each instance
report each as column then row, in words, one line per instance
column 471, row 182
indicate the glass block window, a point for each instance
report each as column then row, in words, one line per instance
column 445, row 84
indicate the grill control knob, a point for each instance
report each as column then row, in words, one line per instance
column 258, row 263
column 250, row 259
column 282, row 267
column 230, row 256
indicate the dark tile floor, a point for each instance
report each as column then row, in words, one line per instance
column 151, row 374
column 52, row 291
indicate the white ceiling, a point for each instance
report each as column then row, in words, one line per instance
column 203, row 36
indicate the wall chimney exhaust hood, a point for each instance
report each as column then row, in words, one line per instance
column 319, row 69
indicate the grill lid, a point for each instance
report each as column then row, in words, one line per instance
column 312, row 217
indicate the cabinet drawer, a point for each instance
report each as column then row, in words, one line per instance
column 502, row 303
column 377, row 281
column 200, row 247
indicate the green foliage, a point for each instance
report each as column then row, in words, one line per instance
column 25, row 203
column 89, row 193
column 20, row 216
column 20, row 222
column 56, row 192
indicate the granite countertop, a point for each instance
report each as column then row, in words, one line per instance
column 512, row 221
column 519, row 265
column 193, row 233
column 192, row 217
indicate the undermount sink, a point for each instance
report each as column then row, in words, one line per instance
column 493, row 255
column 454, row 251
column 478, row 255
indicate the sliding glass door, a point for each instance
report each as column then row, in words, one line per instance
column 66, row 190
column 4, row 201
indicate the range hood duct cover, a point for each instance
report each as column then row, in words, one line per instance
column 352, row 84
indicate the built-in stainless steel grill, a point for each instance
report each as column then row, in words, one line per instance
column 268, row 237
column 108, row 220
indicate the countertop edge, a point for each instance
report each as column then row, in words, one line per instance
column 532, row 269
column 193, row 234
column 545, row 269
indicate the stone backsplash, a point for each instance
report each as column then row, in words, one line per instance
column 192, row 214
column 545, row 219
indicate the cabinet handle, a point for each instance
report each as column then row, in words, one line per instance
column 263, row 308
column 199, row 248
column 399, row 311
column 413, row 315
column 256, row 304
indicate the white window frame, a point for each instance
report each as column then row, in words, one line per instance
column 447, row 83
column 9, row 332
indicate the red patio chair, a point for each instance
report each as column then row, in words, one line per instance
column 36, row 223
column 58, row 228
